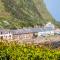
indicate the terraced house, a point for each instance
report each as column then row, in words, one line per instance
column 27, row 33
column 5, row 34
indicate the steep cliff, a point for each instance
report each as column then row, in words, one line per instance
column 23, row 13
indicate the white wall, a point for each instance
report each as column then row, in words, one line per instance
column 46, row 33
column 7, row 36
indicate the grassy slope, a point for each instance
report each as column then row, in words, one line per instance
column 4, row 15
column 23, row 13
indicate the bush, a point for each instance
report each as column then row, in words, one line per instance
column 13, row 51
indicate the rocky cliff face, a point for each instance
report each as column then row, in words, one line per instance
column 23, row 13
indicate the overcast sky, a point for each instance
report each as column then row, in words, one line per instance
column 54, row 8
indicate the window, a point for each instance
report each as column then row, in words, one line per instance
column 9, row 35
column 1, row 37
column 1, row 32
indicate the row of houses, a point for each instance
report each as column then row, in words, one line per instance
column 28, row 33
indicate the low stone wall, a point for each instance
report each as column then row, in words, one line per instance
column 37, row 40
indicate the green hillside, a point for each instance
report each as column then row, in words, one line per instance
column 23, row 13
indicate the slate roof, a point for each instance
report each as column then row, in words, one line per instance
column 4, row 31
column 25, row 30
column 31, row 30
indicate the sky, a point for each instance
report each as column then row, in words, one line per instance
column 54, row 8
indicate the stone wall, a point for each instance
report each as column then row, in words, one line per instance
column 23, row 36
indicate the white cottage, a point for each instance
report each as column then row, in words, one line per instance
column 5, row 34
column 47, row 30
column 49, row 25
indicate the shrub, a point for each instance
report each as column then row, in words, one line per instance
column 13, row 51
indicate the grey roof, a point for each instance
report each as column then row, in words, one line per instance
column 21, row 31
column 31, row 30
column 4, row 31
column 25, row 30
